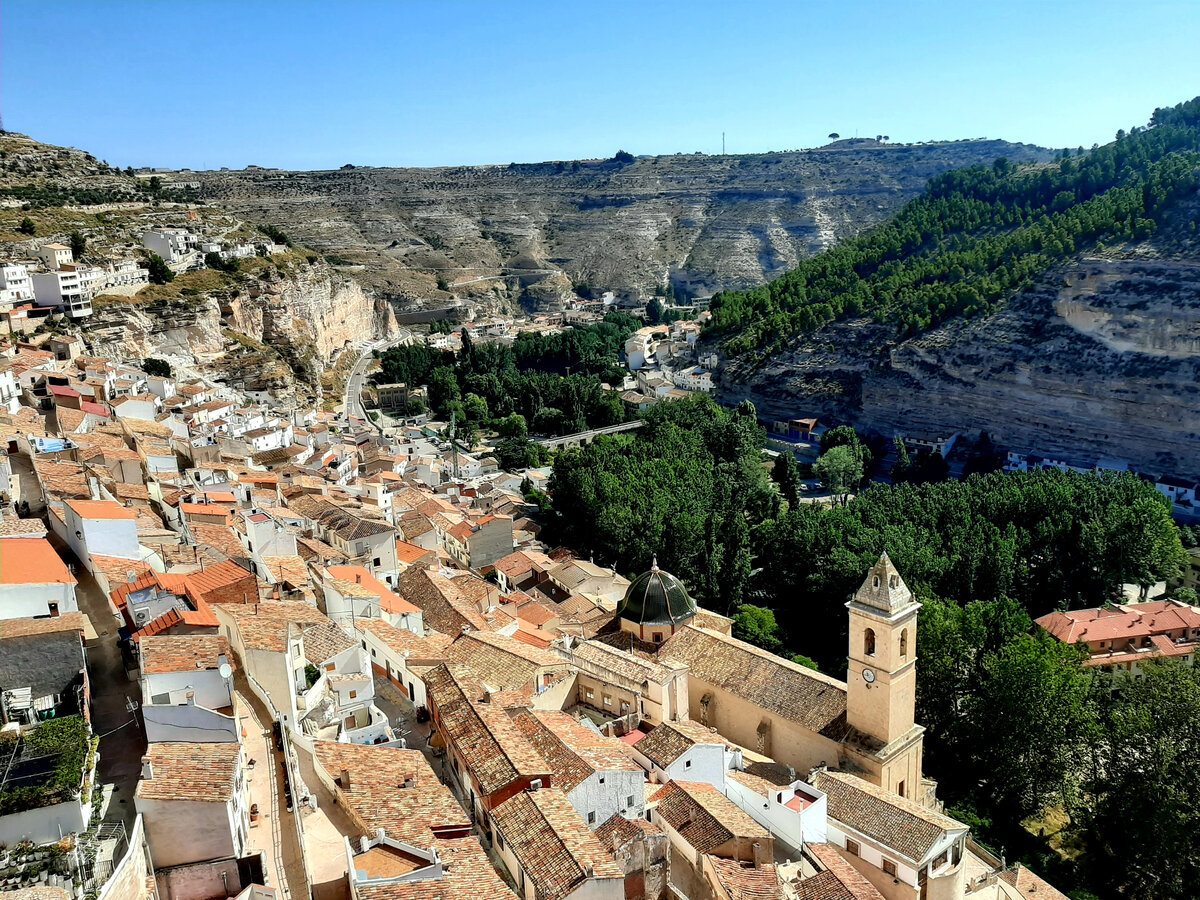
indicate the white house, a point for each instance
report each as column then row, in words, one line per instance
column 100, row 528
column 684, row 751
column 187, row 688
column 172, row 244
column 62, row 289
column 15, row 284
column 54, row 256
column 597, row 773
column 192, row 798
column 34, row 582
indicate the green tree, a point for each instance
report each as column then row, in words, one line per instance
column 1146, row 794
column 475, row 408
column 158, row 367
column 512, row 427
column 160, row 272
column 757, row 626
column 1030, row 721
column 654, row 311
column 27, row 226
column 840, row 470
column 903, row 464
column 786, row 473
column 1135, row 544
column 78, row 245
column 443, row 389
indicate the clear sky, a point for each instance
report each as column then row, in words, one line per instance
column 318, row 84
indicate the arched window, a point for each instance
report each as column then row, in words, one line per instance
column 893, row 581
column 869, row 642
column 876, row 582
column 904, row 643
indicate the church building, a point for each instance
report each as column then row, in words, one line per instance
column 796, row 715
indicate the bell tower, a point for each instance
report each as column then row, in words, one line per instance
column 882, row 678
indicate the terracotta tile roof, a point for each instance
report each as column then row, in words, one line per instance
column 323, row 641
column 440, row 601
column 898, row 824
column 226, row 582
column 37, row 892
column 1029, row 884
column 184, row 653
column 312, row 548
column 798, row 694
column 10, row 526
column 606, row 658
column 219, row 537
column 553, row 845
column 287, row 570
column 265, row 626
column 100, row 509
column 670, row 740
column 116, row 568
column 468, row 874
column 378, row 798
column 573, row 752
column 703, row 816
column 839, row 881
column 31, row 560
column 409, row 553
column 1119, row 623
column 745, row 881
column 186, row 771
column 619, row 831
column 491, row 745
column 432, row 646
column 763, row 777
column 388, row 599
column 19, row 628
column 501, row 662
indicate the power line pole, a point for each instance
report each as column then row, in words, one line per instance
column 722, row 143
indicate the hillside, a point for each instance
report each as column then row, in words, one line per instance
column 1077, row 335
column 706, row 222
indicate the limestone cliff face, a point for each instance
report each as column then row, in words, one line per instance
column 279, row 331
column 1101, row 360
column 704, row 222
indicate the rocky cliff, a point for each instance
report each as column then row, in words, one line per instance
column 279, row 330
column 1099, row 360
column 704, row 222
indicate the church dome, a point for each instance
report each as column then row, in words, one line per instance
column 657, row 598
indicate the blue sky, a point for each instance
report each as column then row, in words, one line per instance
column 315, row 85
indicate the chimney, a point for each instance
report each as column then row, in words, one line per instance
column 345, row 779
column 191, row 698
column 147, row 770
column 357, row 578
column 364, row 844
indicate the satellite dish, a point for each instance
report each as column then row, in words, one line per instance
column 225, row 669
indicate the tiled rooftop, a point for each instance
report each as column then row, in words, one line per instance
column 187, row 771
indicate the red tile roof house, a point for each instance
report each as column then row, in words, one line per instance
column 187, row 689
column 100, row 531
column 1121, row 637
column 34, row 581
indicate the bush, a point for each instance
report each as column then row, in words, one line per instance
column 27, row 226
column 160, row 272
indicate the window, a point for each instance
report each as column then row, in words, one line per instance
column 889, row 867
column 377, row 562
column 499, row 841
column 900, row 790
column 353, row 694
column 687, row 763
column 608, row 701
column 602, row 779
column 904, row 643
column 364, row 643
column 852, row 847
column 591, row 818
column 629, row 802
column 658, row 639
column 869, row 642
column 329, row 667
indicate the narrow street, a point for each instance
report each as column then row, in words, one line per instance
column 275, row 831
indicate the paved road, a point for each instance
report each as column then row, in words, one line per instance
column 352, row 400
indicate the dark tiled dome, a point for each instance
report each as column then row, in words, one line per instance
column 657, row 598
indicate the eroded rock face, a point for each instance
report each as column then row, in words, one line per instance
column 707, row 222
column 278, row 333
column 1101, row 360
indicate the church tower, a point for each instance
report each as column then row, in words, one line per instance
column 882, row 679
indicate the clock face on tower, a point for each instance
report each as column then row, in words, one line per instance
column 869, row 676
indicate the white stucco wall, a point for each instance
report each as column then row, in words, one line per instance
column 210, row 689
column 603, row 801
column 45, row 825
column 189, row 723
column 28, row 601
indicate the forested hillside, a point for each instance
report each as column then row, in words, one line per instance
column 974, row 237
